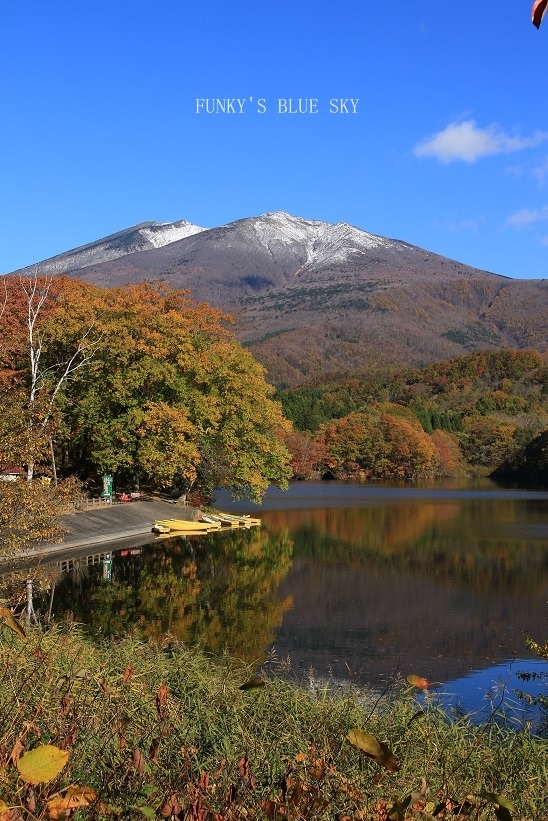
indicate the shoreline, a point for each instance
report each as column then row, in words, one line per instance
column 106, row 526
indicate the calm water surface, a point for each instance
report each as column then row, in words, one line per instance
column 438, row 580
column 444, row 580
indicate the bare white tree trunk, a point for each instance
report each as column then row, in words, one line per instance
column 37, row 290
column 53, row 465
column 31, row 615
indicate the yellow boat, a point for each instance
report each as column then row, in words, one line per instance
column 238, row 521
column 183, row 525
column 224, row 522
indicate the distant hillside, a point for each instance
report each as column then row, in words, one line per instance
column 508, row 384
column 310, row 297
column 485, row 413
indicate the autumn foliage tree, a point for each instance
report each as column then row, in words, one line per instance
column 450, row 454
column 491, row 404
column 34, row 369
column 379, row 445
column 488, row 441
column 308, row 457
column 168, row 395
column 408, row 451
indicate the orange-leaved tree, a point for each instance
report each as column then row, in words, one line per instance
column 378, row 445
column 34, row 370
column 169, row 396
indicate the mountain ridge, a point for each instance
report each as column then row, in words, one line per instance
column 310, row 297
column 140, row 237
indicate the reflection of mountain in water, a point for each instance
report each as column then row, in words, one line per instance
column 436, row 582
column 433, row 588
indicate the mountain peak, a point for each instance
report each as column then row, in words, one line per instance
column 309, row 296
column 141, row 237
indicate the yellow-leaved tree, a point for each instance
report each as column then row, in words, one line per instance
column 170, row 396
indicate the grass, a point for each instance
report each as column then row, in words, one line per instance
column 156, row 732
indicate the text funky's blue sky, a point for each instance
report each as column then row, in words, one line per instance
column 448, row 149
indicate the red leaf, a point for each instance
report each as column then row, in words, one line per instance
column 172, row 807
column 160, row 699
column 537, row 12
column 419, row 681
column 243, row 766
column 128, row 672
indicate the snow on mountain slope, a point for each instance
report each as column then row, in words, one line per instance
column 141, row 237
column 322, row 242
column 163, row 233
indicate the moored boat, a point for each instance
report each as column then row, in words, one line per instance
column 159, row 528
column 240, row 521
column 207, row 524
column 183, row 525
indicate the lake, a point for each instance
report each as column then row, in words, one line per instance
column 349, row 581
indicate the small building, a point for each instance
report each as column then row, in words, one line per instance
column 10, row 473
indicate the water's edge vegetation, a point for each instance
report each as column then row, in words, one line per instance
column 127, row 729
column 141, row 383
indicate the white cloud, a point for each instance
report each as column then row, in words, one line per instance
column 541, row 172
column 472, row 225
column 527, row 216
column 465, row 141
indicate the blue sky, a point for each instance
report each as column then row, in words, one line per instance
column 448, row 148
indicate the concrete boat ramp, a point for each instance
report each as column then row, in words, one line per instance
column 120, row 521
column 109, row 527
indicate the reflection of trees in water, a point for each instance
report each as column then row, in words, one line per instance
column 463, row 541
column 217, row 591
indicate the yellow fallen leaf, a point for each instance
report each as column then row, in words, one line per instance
column 252, row 684
column 366, row 742
column 42, row 764
column 74, row 799
column 377, row 750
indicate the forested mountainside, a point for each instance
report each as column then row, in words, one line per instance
column 310, row 297
column 471, row 415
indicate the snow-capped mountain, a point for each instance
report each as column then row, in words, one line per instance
column 322, row 242
column 140, row 237
column 310, row 296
